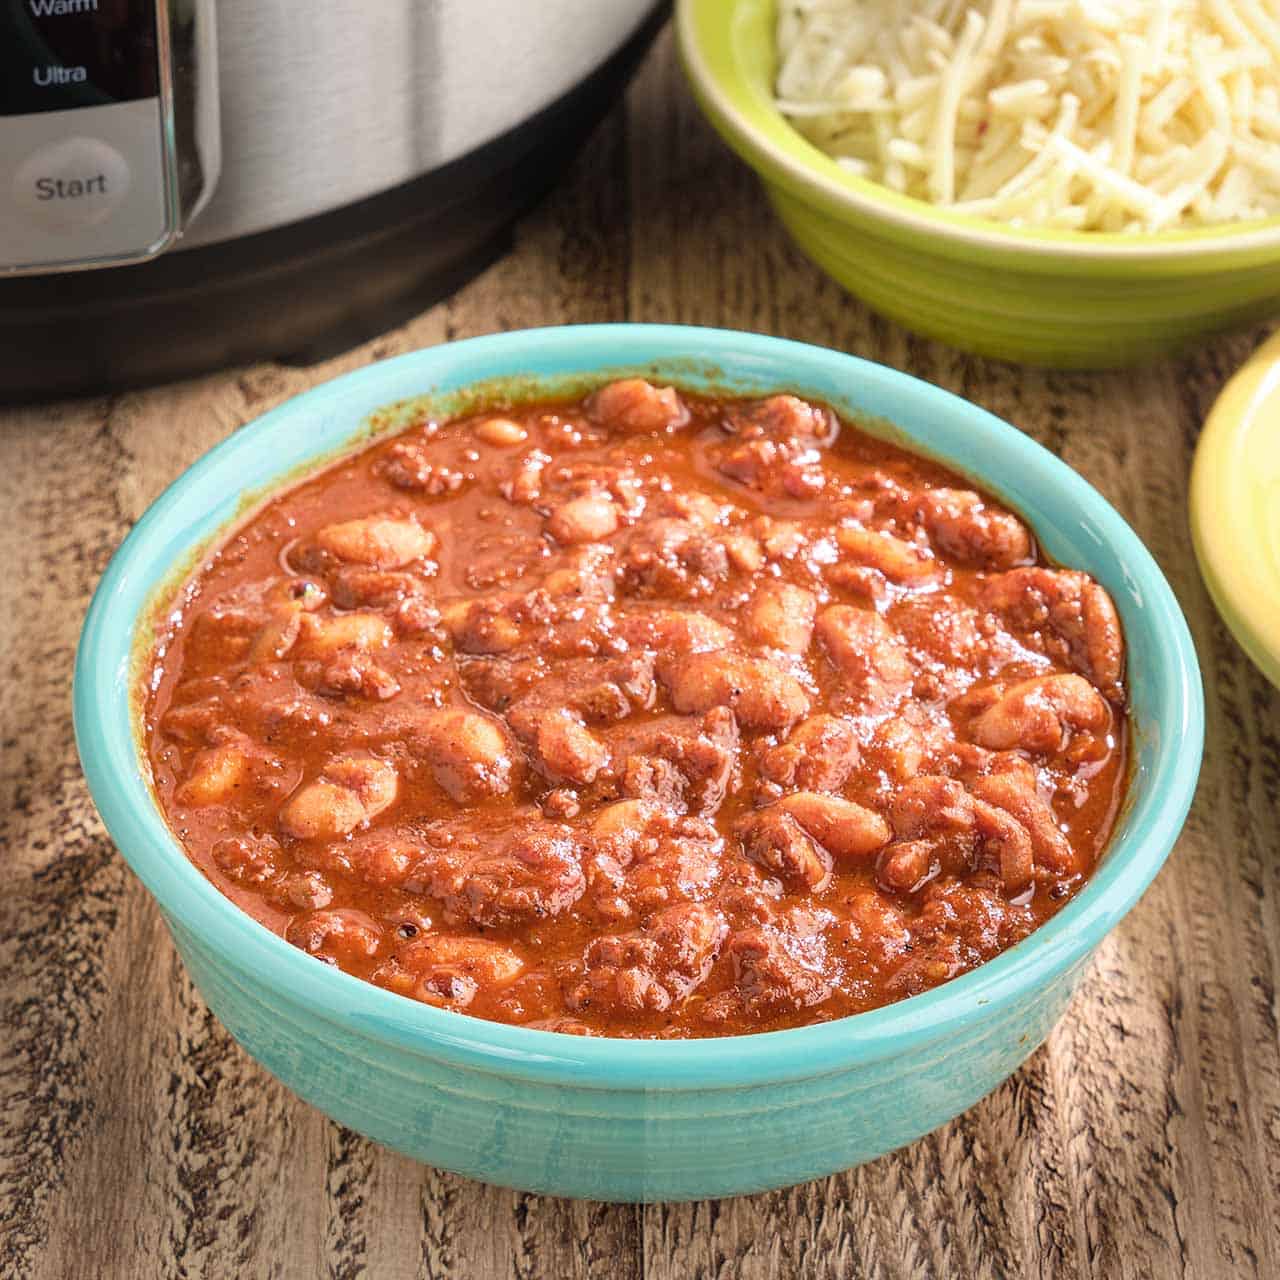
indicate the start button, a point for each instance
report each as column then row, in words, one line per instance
column 73, row 183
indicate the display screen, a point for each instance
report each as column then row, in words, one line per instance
column 60, row 54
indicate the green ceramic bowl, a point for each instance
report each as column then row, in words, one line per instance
column 1056, row 298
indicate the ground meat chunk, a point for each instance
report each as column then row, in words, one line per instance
column 384, row 857
column 248, row 859
column 969, row 529
column 375, row 588
column 533, row 622
column 681, row 866
column 1064, row 615
column 527, row 872
column 784, row 417
column 775, row 840
column 681, row 762
column 652, row 856
column 674, row 559
column 766, row 979
column 960, row 925
column 818, row 755
column 409, row 465
column 648, row 970
column 787, row 468
column 873, row 936
column 354, row 673
column 601, row 691
column 944, row 828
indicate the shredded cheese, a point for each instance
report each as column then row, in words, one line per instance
column 1097, row 115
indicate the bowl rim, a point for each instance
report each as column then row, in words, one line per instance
column 140, row 575
column 723, row 85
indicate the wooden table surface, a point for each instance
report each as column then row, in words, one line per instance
column 137, row 1140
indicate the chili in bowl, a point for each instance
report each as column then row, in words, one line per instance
column 641, row 684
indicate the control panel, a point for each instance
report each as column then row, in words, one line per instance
column 90, row 165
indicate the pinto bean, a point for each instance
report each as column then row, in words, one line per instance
column 847, row 829
column 636, row 407
column 901, row 562
column 449, row 971
column 761, row 695
column 491, row 963
column 277, row 636
column 1011, row 842
column 1019, row 798
column 351, row 790
column 481, row 626
column 866, row 650
column 781, row 616
column 469, row 753
column 215, row 776
column 588, row 519
column 623, row 817
column 1040, row 714
column 745, row 552
column 323, row 637
column 502, row 433
column 678, row 631
column 341, row 935
column 904, row 743
column 906, row 866
column 568, row 749
column 381, row 542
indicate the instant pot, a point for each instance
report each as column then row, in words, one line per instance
column 189, row 183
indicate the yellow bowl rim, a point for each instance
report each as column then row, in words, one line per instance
column 1244, row 584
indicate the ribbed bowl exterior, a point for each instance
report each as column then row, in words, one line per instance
column 609, row 1143
column 1017, row 310
column 608, row 1118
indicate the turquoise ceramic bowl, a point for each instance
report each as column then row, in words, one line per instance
column 1055, row 298
column 626, row 1120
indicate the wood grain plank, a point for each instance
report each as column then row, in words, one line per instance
column 1142, row 1140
